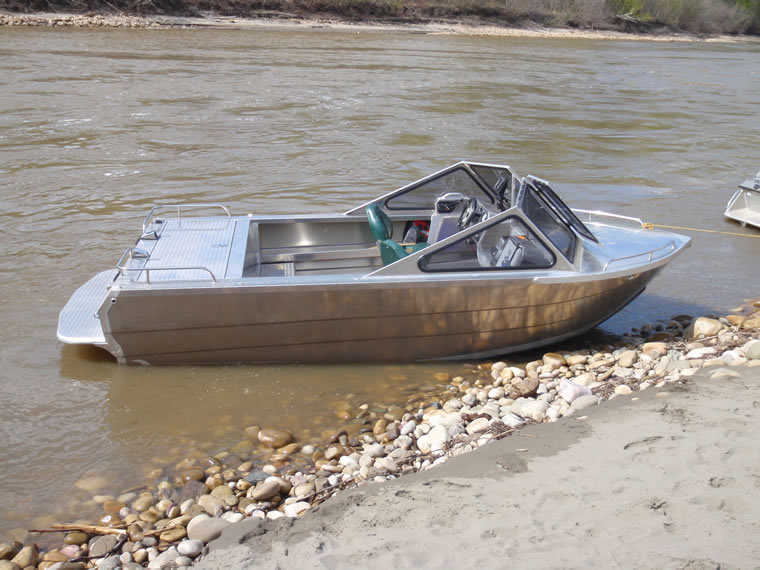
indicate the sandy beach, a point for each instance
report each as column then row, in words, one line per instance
column 291, row 21
column 664, row 478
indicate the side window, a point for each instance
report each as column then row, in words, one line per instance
column 547, row 221
column 507, row 244
column 423, row 197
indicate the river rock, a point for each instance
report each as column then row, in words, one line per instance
column 702, row 352
column 703, row 327
column 574, row 359
column 296, row 509
column 206, row 530
column 553, row 360
column 265, row 490
column 28, row 556
column 733, row 358
column 143, row 503
column 274, row 438
column 654, row 349
column 534, row 409
column 91, row 484
column 478, row 425
column 165, row 559
column 585, row 378
column 9, row 550
column 622, row 390
column 723, row 373
column 628, row 358
column 8, row 565
column 386, row 463
column 524, row 387
column 102, row 545
column 226, row 495
column 583, row 402
column 571, row 391
column 752, row 349
column 111, row 562
column 190, row 548
column 496, row 393
column 173, row 534
column 211, row 504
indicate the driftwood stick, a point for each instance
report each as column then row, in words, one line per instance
column 89, row 529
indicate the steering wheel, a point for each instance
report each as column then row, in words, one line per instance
column 469, row 213
column 379, row 223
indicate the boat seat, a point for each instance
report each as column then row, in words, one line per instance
column 382, row 228
column 391, row 252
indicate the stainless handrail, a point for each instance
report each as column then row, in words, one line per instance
column 128, row 255
column 179, row 208
column 602, row 214
column 650, row 253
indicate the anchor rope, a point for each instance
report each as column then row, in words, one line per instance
column 649, row 226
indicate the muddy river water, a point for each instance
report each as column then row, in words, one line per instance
column 96, row 126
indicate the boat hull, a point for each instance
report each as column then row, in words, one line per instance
column 361, row 321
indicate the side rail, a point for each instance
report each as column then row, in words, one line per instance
column 650, row 255
column 136, row 253
column 179, row 208
column 599, row 216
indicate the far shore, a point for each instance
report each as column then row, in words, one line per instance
column 292, row 21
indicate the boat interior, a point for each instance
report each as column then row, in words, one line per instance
column 468, row 217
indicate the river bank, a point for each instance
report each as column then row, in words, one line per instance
column 289, row 21
column 676, row 387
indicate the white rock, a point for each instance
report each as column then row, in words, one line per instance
column 374, row 450
column 274, row 515
column 295, row 509
column 583, row 402
column 386, row 463
column 535, row 410
column 701, row 352
column 585, row 378
column 183, row 561
column 512, row 420
column 733, row 358
column 478, row 425
column 232, row 517
column 752, row 349
column 622, row 390
column 165, row 559
column 570, row 391
column 408, row 427
column 496, row 393
column 191, row 548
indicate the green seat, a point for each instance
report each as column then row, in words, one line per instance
column 382, row 228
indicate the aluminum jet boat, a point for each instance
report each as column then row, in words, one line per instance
column 744, row 205
column 469, row 262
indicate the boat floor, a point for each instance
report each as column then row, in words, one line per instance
column 745, row 216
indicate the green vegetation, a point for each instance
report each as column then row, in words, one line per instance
column 692, row 16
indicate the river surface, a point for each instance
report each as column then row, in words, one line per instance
column 96, row 126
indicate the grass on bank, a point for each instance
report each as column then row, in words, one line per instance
column 692, row 16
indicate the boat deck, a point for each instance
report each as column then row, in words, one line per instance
column 745, row 216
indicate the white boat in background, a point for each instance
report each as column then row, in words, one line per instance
column 471, row 261
column 744, row 205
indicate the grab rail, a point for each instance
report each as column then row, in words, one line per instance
column 650, row 253
column 602, row 214
column 179, row 208
column 128, row 255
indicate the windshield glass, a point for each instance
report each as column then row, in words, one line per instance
column 571, row 219
column 422, row 196
column 547, row 220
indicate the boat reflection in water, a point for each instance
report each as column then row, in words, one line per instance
column 469, row 262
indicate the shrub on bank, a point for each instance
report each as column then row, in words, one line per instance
column 693, row 16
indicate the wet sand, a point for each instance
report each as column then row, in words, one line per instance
column 664, row 478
